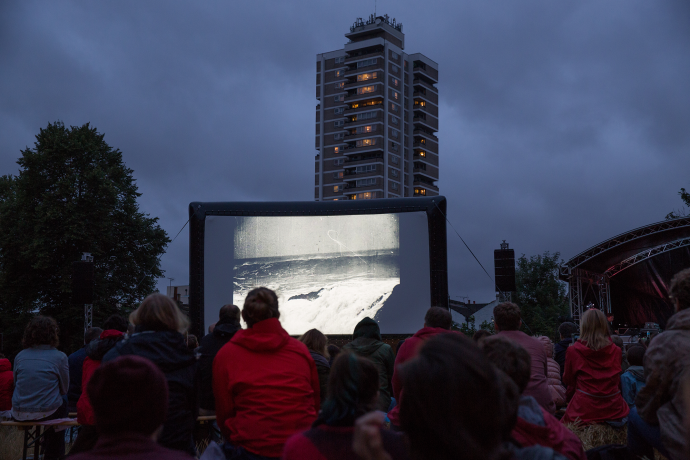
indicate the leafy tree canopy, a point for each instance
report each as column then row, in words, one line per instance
column 685, row 196
column 540, row 294
column 73, row 194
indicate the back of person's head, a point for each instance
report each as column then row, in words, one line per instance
column 315, row 341
column 635, row 355
column 454, row 404
column 594, row 329
column 192, row 342
column 510, row 358
column 229, row 312
column 117, row 323
column 159, row 313
column 679, row 290
column 41, row 330
column 92, row 334
column 128, row 394
column 353, row 387
column 260, row 304
column 438, row 317
column 616, row 339
column 333, row 351
column 567, row 329
column 507, row 316
column 367, row 328
column 480, row 334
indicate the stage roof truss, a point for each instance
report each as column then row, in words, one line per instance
column 646, row 254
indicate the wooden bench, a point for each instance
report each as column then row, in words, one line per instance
column 33, row 435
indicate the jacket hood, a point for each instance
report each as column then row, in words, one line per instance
column 679, row 321
column 426, row 332
column 5, row 365
column 364, row 346
column 319, row 359
column 167, row 349
column 602, row 359
column 266, row 335
column 96, row 349
column 637, row 372
column 367, row 328
column 225, row 329
column 548, row 345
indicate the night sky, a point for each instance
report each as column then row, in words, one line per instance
column 561, row 123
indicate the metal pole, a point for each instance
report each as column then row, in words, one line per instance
column 88, row 317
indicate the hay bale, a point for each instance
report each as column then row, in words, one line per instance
column 11, row 442
column 598, row 435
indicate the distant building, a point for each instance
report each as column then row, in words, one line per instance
column 179, row 293
column 377, row 117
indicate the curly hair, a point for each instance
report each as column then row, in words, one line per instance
column 41, row 330
column 680, row 289
column 507, row 316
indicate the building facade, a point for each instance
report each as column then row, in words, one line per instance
column 377, row 117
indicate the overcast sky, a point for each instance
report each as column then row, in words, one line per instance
column 561, row 123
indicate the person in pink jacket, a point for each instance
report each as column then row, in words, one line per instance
column 553, row 376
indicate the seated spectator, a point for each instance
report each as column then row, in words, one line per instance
column 480, row 334
column 353, row 387
column 367, row 343
column 192, row 342
column 535, row 426
column 228, row 323
column 658, row 418
column 113, row 331
column 592, row 374
column 333, row 352
column 507, row 323
column 436, row 321
column 565, row 331
column 159, row 325
column 265, row 383
column 41, row 377
column 6, row 384
column 456, row 404
column 553, row 373
column 618, row 341
column 317, row 344
column 632, row 380
column 129, row 396
column 76, row 362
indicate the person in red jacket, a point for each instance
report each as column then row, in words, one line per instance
column 535, row 425
column 593, row 374
column 6, row 384
column 265, row 383
column 436, row 321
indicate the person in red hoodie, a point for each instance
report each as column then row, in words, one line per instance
column 593, row 374
column 6, row 384
column 265, row 383
column 436, row 321
column 113, row 331
column 535, row 425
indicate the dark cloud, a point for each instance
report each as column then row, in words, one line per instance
column 561, row 125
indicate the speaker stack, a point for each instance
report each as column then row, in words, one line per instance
column 504, row 269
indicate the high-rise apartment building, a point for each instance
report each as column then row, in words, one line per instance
column 377, row 117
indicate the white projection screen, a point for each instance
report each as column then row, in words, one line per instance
column 331, row 266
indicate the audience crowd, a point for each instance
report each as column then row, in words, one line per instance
column 138, row 386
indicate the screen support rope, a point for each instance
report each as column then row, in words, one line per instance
column 159, row 258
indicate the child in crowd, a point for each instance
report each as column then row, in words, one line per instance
column 633, row 380
column 535, row 425
column 553, row 374
column 353, row 387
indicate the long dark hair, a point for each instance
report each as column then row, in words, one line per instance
column 352, row 390
column 455, row 404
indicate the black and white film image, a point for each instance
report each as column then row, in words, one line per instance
column 329, row 272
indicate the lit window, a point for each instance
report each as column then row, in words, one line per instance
column 340, row 85
column 366, row 89
column 394, row 107
column 422, row 153
column 338, row 175
column 420, row 103
column 395, row 81
column 366, row 76
column 365, row 196
column 336, row 188
column 338, row 73
column 419, row 191
column 396, row 95
column 336, row 150
column 366, row 129
column 366, row 142
column 423, row 141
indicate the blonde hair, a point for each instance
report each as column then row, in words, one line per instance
column 159, row 313
column 594, row 329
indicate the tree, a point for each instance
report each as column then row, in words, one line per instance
column 683, row 212
column 469, row 327
column 540, row 294
column 73, row 194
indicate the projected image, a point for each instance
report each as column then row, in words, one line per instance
column 328, row 271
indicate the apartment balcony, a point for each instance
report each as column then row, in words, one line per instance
column 376, row 133
column 376, row 119
column 427, row 71
column 424, row 84
column 351, row 59
column 364, row 149
column 424, row 133
column 378, row 92
column 370, row 68
column 364, row 108
column 352, row 173
column 430, row 158
column 364, row 159
column 419, row 183
column 366, row 188
column 355, row 84
column 428, row 122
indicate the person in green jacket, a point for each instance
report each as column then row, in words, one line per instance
column 367, row 343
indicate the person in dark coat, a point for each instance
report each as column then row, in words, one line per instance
column 129, row 396
column 566, row 331
column 76, row 363
column 228, row 323
column 317, row 344
column 367, row 343
column 159, row 324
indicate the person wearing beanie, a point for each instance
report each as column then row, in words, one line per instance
column 367, row 343
column 129, row 396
